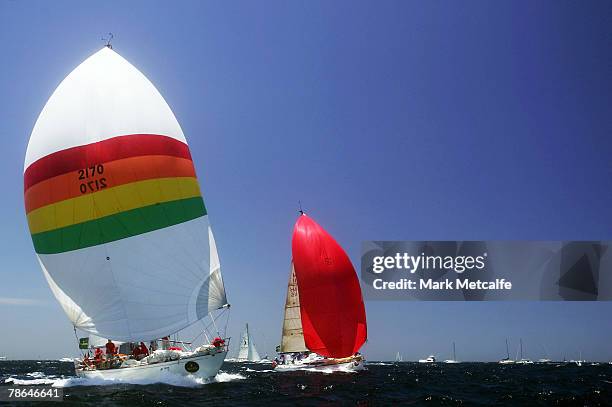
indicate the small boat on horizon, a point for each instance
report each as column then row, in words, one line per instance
column 429, row 359
column 578, row 362
column 506, row 360
column 454, row 359
column 322, row 330
column 399, row 357
column 523, row 361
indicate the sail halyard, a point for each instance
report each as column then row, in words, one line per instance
column 292, row 339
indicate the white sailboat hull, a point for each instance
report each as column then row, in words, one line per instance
column 349, row 366
column 208, row 367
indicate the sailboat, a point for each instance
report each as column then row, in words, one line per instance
column 247, row 352
column 398, row 357
column 507, row 360
column 118, row 222
column 454, row 359
column 578, row 362
column 523, row 361
column 324, row 324
column 428, row 359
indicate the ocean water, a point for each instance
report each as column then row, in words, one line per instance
column 383, row 383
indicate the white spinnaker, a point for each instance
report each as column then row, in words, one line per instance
column 146, row 286
column 105, row 96
column 292, row 339
column 247, row 350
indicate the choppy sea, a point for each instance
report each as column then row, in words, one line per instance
column 383, row 383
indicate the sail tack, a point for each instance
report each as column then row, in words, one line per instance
column 331, row 306
column 114, row 207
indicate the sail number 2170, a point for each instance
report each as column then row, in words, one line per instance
column 91, row 179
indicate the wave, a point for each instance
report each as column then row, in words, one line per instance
column 38, row 378
column 223, row 377
column 30, row 382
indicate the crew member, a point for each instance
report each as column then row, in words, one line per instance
column 111, row 352
column 98, row 357
column 143, row 350
column 218, row 342
column 111, row 349
column 136, row 352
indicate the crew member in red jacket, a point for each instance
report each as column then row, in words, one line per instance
column 143, row 350
column 111, row 349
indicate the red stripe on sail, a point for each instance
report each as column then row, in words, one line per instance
column 116, row 148
column 331, row 305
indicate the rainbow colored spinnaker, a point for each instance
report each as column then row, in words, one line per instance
column 114, row 207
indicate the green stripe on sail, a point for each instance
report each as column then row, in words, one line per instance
column 119, row 226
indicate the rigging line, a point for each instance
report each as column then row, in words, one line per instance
column 213, row 318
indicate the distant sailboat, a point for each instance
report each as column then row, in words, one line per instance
column 454, row 359
column 247, row 352
column 2, row 358
column 507, row 360
column 545, row 359
column 325, row 322
column 579, row 362
column 429, row 359
column 398, row 357
column 523, row 361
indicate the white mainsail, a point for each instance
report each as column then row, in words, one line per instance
column 130, row 256
column 293, row 336
column 247, row 350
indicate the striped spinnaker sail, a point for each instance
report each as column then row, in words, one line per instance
column 114, row 207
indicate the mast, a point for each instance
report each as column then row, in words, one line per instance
column 521, row 348
column 454, row 356
column 507, row 351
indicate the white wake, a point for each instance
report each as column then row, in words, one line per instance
column 38, row 378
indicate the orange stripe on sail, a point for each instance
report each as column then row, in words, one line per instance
column 105, row 175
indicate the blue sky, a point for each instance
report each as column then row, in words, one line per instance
column 388, row 120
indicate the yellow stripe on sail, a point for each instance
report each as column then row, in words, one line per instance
column 111, row 201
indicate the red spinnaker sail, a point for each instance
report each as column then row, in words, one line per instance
column 331, row 305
